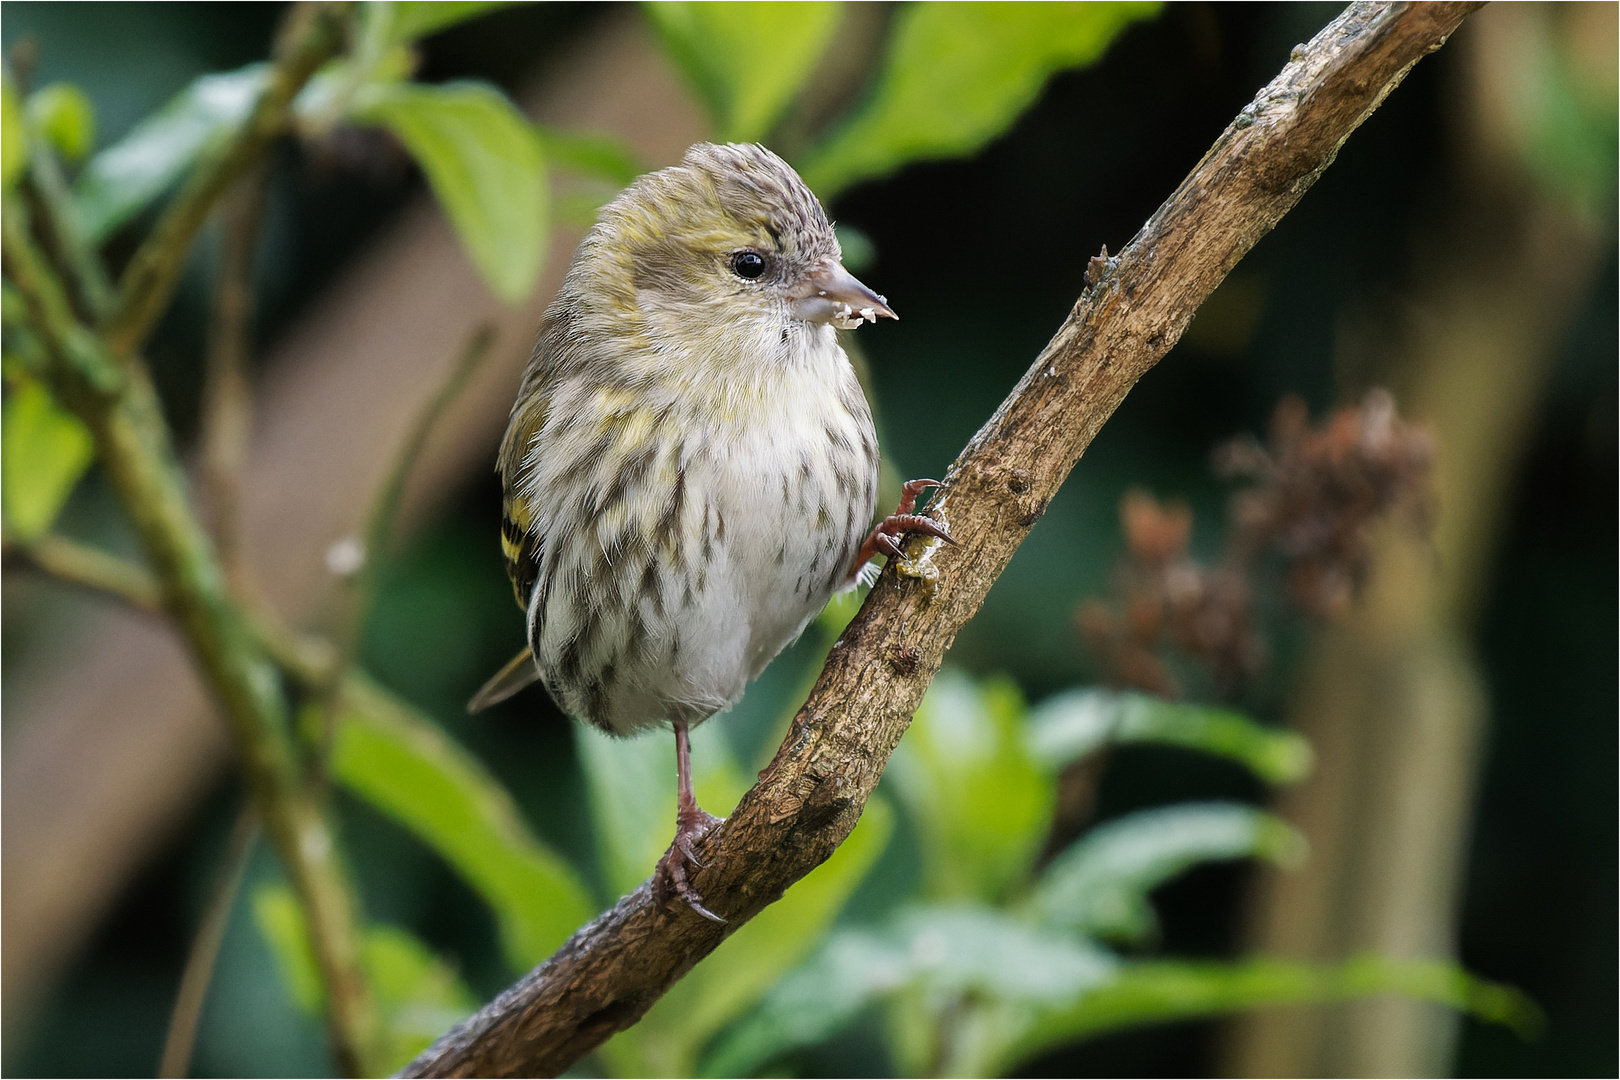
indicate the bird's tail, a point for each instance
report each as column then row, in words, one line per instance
column 514, row 676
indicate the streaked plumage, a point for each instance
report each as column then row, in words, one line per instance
column 691, row 465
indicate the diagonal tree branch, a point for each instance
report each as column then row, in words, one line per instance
column 310, row 36
column 605, row 977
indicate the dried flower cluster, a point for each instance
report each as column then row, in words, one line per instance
column 1314, row 495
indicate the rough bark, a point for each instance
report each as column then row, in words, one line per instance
column 809, row 798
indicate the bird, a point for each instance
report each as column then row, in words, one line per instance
column 690, row 468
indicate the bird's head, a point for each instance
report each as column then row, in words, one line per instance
column 731, row 235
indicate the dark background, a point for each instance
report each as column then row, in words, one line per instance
column 982, row 258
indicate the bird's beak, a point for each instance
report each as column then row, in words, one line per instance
column 829, row 293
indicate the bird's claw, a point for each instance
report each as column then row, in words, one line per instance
column 886, row 537
column 890, row 529
column 670, row 877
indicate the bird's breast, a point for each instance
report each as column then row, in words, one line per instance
column 693, row 531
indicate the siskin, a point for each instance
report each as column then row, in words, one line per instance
column 690, row 466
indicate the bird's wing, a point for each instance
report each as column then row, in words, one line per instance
column 521, row 540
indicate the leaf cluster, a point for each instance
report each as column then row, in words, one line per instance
column 999, row 956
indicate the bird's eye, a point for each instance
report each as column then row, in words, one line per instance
column 747, row 264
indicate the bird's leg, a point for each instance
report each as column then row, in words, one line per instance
column 691, row 825
column 886, row 536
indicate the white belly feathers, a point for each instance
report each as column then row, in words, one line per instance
column 665, row 604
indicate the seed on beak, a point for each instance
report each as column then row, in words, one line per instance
column 829, row 293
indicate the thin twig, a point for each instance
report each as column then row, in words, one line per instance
column 49, row 195
column 227, row 394
column 199, row 970
column 384, row 515
column 307, row 659
column 92, row 568
column 312, row 33
column 381, row 522
column 811, row 795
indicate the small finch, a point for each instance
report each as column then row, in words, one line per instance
column 690, row 465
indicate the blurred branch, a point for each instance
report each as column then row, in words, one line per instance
column 118, row 403
column 384, row 515
column 199, row 970
column 308, row 660
column 809, row 798
column 90, row 567
column 312, row 33
column 227, row 396
column 381, row 522
column 51, row 202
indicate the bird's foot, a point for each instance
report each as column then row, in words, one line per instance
column 670, row 877
column 886, row 536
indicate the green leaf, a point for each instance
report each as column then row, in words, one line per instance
column 62, row 113
column 281, row 922
column 979, row 950
column 859, row 251
column 44, row 450
column 850, row 971
column 406, row 767
column 484, row 163
column 121, row 180
column 578, row 209
column 745, row 60
column 13, row 308
column 978, row 801
column 840, row 609
column 736, row 975
column 13, row 135
column 419, row 18
column 945, row 952
column 631, row 785
column 1099, row 886
column 602, row 157
column 955, row 76
column 1074, row 724
column 418, row 996
column 1149, row 993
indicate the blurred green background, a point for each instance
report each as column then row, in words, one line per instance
column 982, row 257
